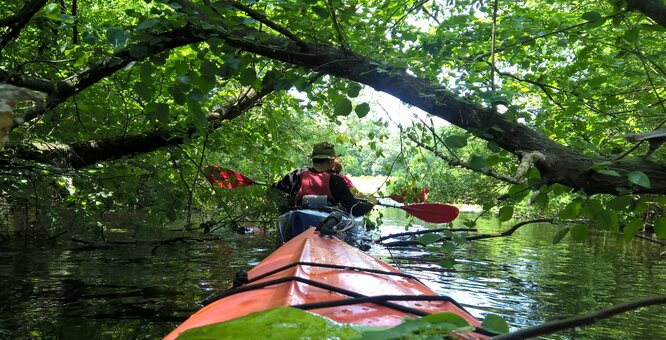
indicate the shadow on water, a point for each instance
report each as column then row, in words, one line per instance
column 125, row 292
column 122, row 292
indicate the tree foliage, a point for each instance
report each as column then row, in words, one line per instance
column 142, row 94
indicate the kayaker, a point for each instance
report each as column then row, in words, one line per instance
column 337, row 169
column 321, row 180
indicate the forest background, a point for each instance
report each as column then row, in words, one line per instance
column 119, row 106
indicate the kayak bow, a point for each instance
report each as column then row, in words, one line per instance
column 331, row 278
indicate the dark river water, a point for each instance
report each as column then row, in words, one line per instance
column 60, row 290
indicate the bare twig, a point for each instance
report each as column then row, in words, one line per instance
column 262, row 18
column 466, row 165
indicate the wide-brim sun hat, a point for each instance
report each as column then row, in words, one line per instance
column 323, row 151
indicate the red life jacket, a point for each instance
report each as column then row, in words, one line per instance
column 315, row 183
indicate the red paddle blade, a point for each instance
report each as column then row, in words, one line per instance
column 432, row 212
column 226, row 178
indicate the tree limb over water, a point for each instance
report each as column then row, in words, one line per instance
column 582, row 320
column 505, row 233
column 560, row 164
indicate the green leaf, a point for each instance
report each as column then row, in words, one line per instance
column 631, row 228
column 492, row 146
column 559, row 189
column 517, row 189
column 148, row 23
column 448, row 247
column 288, row 322
column 158, row 112
column 178, row 92
column 639, row 178
column 68, row 19
column 322, row 12
column 560, row 235
column 459, row 240
column 541, row 200
column 477, row 162
column 447, row 262
column 620, row 202
column 429, row 238
column 247, row 76
column 591, row 16
column 143, row 91
column 579, row 232
column 592, row 208
column 362, row 110
column 446, row 317
column 495, row 324
column 354, row 89
column 660, row 227
column 52, row 12
column 90, row 38
column 614, row 221
column 343, row 107
column 447, row 233
column 456, row 141
column 118, row 38
column 571, row 210
column 609, row 173
column 505, row 213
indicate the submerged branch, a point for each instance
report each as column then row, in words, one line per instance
column 507, row 232
column 582, row 320
column 511, row 230
column 419, row 232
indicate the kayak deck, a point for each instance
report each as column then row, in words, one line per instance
column 324, row 275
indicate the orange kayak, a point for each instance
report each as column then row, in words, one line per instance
column 331, row 278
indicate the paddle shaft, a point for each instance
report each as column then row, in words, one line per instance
column 429, row 212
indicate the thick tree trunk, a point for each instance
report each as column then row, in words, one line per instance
column 560, row 164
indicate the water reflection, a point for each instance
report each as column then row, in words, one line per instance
column 122, row 292
column 127, row 292
column 527, row 280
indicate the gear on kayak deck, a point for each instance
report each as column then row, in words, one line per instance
column 332, row 224
column 240, row 279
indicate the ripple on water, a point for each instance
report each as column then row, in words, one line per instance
column 526, row 280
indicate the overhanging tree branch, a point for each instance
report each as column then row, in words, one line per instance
column 60, row 90
column 653, row 9
column 15, row 23
column 83, row 154
column 582, row 320
column 560, row 165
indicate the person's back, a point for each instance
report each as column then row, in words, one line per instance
column 321, row 180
